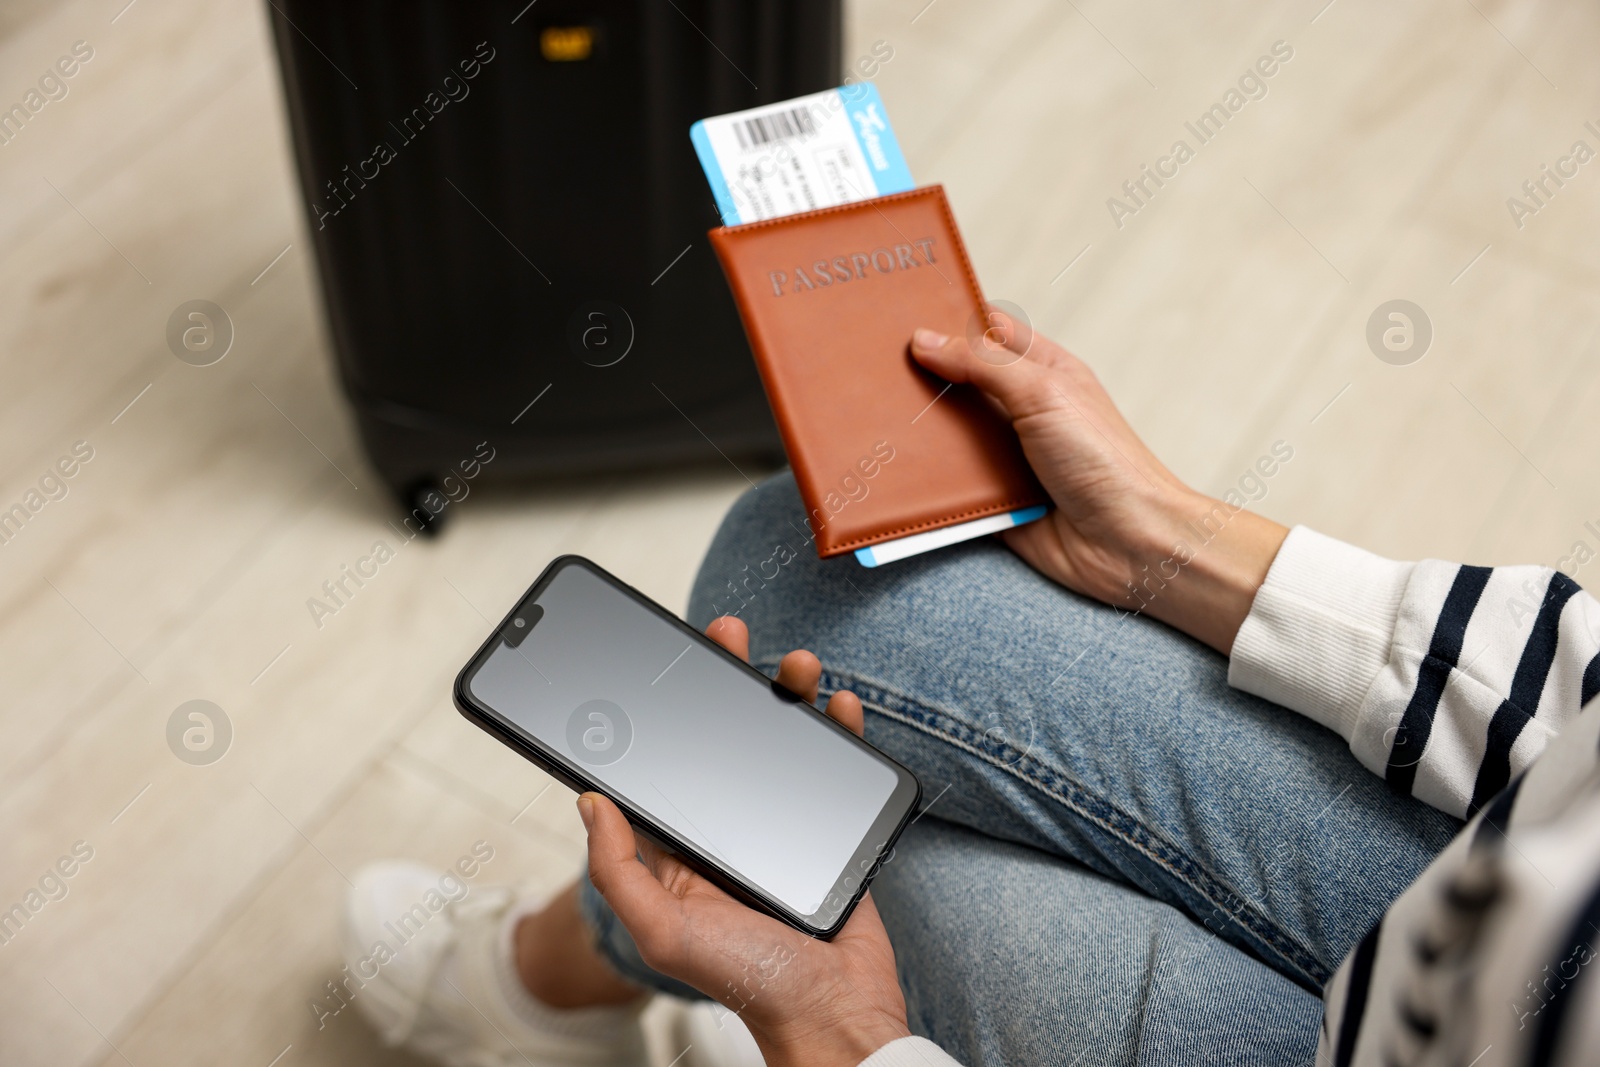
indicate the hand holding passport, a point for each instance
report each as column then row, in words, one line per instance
column 890, row 461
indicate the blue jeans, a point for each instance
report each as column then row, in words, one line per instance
column 1122, row 859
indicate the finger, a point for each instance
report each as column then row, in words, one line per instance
column 649, row 853
column 844, row 708
column 800, row 672
column 1007, row 331
column 645, row 907
column 731, row 634
column 1018, row 336
column 669, row 870
column 1022, row 386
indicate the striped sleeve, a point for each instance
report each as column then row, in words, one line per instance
column 1490, row 957
column 1444, row 678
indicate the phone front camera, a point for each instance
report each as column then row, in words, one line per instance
column 522, row 625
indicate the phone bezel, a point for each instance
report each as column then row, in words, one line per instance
column 867, row 859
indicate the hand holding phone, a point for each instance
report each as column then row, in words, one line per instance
column 707, row 757
column 805, row 1000
column 732, row 828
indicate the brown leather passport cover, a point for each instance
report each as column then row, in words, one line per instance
column 880, row 448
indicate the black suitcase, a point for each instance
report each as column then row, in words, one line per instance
column 510, row 224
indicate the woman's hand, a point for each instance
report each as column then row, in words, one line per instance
column 1125, row 530
column 806, row 1001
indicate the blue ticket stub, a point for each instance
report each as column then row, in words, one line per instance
column 828, row 148
column 916, row 544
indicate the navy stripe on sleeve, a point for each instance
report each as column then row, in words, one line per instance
column 1526, row 686
column 1355, row 997
column 1591, row 681
column 1497, row 816
column 1444, row 651
column 1548, row 1039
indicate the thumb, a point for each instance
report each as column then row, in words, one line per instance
column 1022, row 386
column 642, row 903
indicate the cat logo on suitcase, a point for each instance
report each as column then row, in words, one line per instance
column 566, row 44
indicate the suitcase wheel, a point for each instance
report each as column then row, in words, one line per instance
column 424, row 504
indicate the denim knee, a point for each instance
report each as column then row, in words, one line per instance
column 762, row 542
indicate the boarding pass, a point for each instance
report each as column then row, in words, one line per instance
column 828, row 148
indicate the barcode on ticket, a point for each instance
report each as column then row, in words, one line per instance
column 787, row 125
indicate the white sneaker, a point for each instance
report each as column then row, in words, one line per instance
column 438, row 977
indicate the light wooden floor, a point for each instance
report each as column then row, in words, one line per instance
column 1227, row 314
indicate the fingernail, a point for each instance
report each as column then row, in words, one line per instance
column 586, row 811
column 928, row 339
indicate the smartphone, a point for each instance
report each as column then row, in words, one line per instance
column 709, row 758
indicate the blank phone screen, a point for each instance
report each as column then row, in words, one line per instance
column 707, row 749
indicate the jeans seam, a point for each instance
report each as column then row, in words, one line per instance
column 1060, row 787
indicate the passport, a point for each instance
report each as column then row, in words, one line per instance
column 890, row 460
